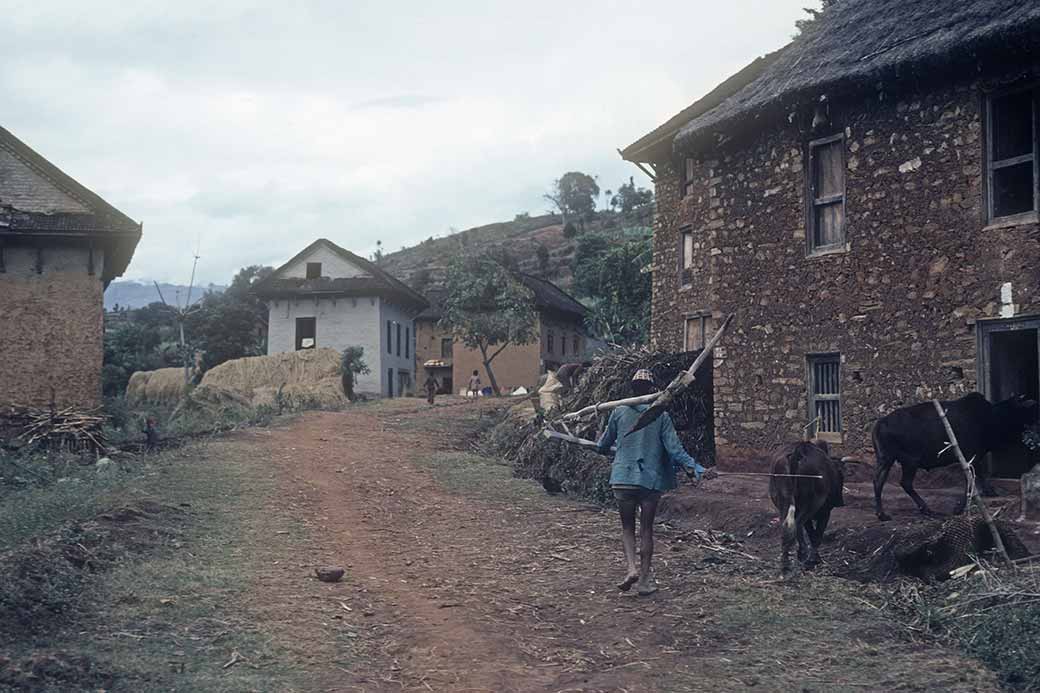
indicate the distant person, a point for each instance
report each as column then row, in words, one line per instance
column 474, row 385
column 151, row 434
column 644, row 467
column 431, row 388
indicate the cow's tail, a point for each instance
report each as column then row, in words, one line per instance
column 789, row 522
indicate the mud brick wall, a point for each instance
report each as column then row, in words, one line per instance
column 899, row 304
column 51, row 327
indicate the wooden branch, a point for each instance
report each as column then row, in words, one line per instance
column 680, row 383
column 582, row 442
column 997, row 541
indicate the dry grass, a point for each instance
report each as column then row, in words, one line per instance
column 162, row 386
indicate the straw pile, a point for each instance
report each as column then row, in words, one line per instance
column 292, row 380
column 162, row 386
column 584, row 473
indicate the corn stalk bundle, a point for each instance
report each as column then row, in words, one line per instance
column 68, row 429
column 583, row 472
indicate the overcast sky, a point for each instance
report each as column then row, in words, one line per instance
column 254, row 130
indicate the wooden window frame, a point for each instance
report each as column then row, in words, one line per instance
column 687, row 176
column 685, row 274
column 811, row 201
column 703, row 316
column 812, row 397
column 390, row 337
column 407, row 342
column 311, row 268
column 298, row 338
column 550, row 339
column 398, row 326
column 449, row 342
column 990, row 165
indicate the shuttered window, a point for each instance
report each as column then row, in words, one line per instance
column 685, row 257
column 688, row 174
column 696, row 331
column 1012, row 154
column 827, row 194
column 825, row 392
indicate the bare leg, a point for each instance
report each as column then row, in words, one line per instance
column 627, row 508
column 648, row 511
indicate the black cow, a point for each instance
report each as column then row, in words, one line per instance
column 805, row 503
column 914, row 436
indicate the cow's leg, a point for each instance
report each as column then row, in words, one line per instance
column 816, row 527
column 907, row 482
column 788, row 530
column 822, row 519
column 983, row 471
column 884, row 466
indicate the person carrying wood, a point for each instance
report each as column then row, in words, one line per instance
column 644, row 467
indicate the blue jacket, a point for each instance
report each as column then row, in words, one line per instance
column 648, row 457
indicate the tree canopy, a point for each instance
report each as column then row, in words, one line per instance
column 574, row 194
column 629, row 197
column 613, row 278
column 488, row 308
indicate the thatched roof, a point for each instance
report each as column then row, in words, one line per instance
column 103, row 223
column 377, row 283
column 858, row 42
column 548, row 296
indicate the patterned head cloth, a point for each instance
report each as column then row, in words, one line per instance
column 643, row 374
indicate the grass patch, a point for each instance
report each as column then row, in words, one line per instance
column 482, row 477
column 157, row 604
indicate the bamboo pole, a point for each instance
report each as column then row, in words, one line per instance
column 678, row 384
column 997, row 541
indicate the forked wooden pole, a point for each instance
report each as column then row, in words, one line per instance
column 664, row 397
column 997, row 541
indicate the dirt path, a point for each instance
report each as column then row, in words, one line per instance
column 463, row 579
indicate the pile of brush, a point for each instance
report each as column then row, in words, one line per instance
column 65, row 430
column 566, row 467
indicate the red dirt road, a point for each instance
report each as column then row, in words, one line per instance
column 460, row 578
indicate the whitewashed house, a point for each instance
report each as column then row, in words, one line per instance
column 327, row 296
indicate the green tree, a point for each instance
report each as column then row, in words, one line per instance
column 629, row 197
column 352, row 364
column 615, row 280
column 488, row 308
column 574, row 194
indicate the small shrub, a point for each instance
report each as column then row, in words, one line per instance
column 1007, row 638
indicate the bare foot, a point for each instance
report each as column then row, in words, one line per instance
column 646, row 587
column 626, row 584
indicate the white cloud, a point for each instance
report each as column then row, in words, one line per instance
column 257, row 128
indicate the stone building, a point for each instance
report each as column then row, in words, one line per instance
column 60, row 246
column 865, row 201
column 327, row 296
column 562, row 338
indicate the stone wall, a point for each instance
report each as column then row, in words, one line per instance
column 50, row 329
column 900, row 302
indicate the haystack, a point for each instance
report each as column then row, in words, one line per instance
column 586, row 473
column 162, row 386
column 305, row 379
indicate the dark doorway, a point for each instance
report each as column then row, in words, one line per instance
column 390, row 383
column 306, row 329
column 1010, row 365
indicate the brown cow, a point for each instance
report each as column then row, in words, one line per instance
column 805, row 504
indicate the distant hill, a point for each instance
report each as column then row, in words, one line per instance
column 133, row 294
column 424, row 266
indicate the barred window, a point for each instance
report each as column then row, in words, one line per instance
column 825, row 392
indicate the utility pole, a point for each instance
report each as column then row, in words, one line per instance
column 180, row 315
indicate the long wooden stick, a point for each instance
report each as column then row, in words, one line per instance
column 680, row 381
column 586, row 443
column 997, row 541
